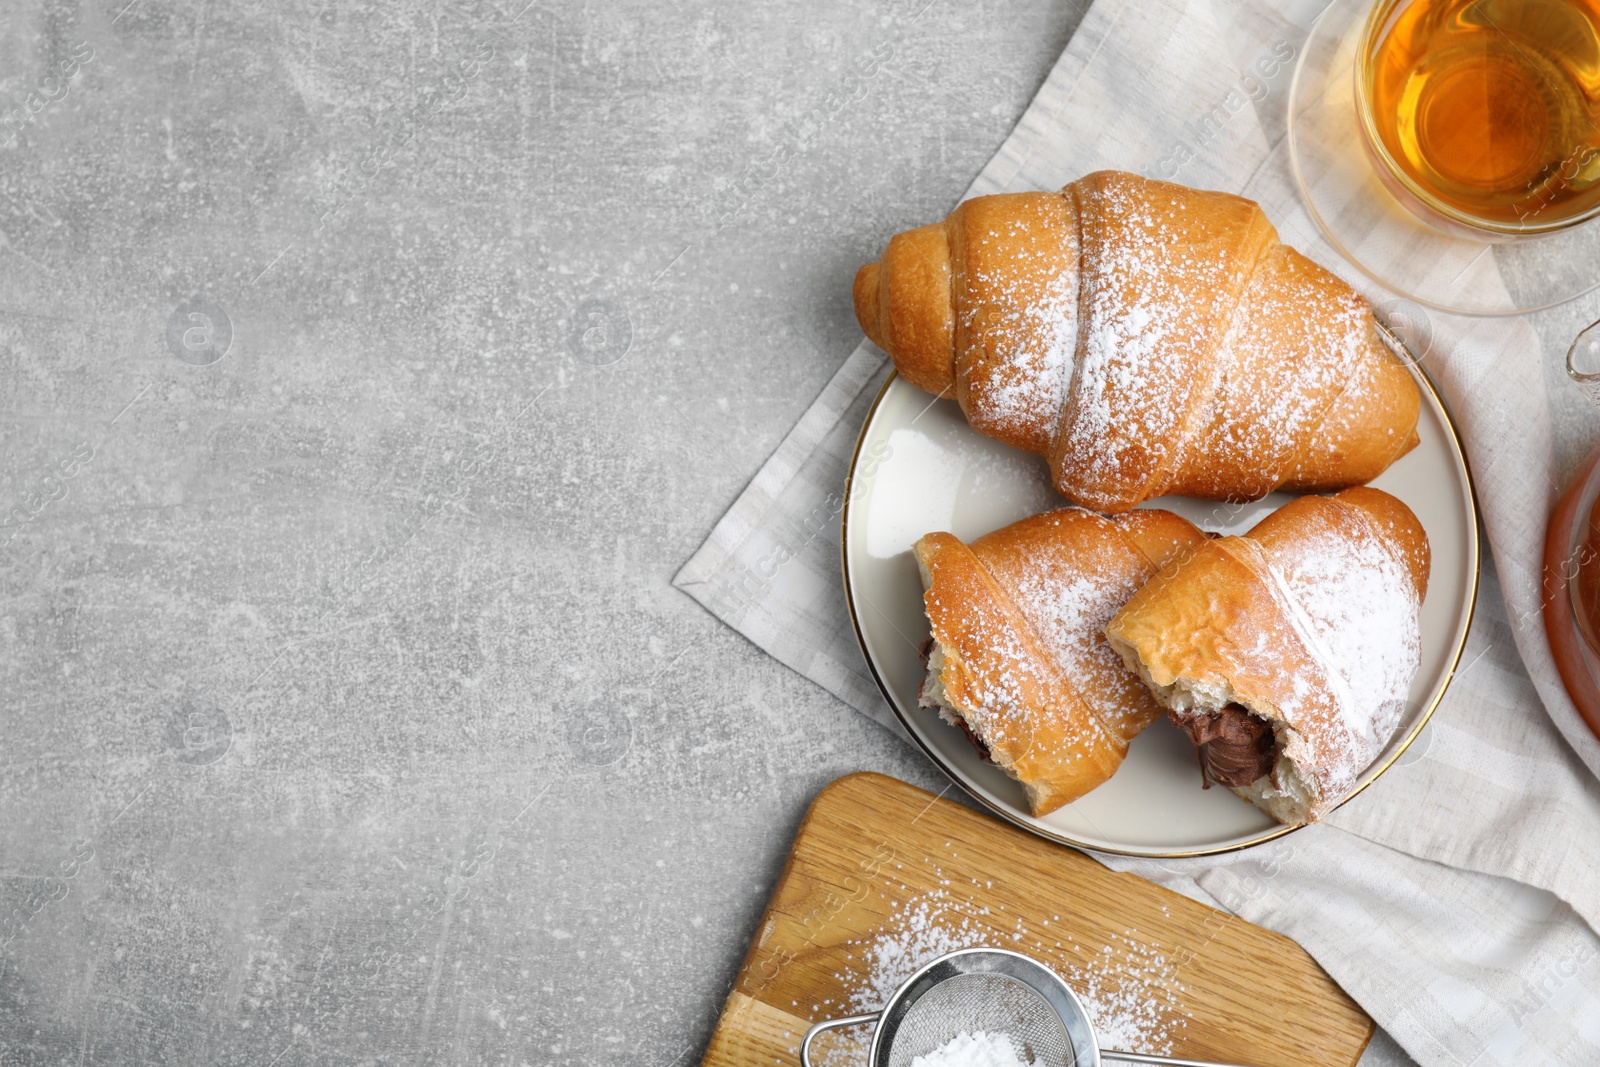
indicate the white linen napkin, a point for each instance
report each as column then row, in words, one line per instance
column 1457, row 898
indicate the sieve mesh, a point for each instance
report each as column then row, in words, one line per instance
column 982, row 1001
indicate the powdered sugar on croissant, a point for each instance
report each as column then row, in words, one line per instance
column 1146, row 338
column 1017, row 653
column 1356, row 607
column 1308, row 624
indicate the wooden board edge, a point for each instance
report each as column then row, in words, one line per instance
column 825, row 796
column 744, row 1000
column 741, row 999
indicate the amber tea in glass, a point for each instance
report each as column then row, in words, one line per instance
column 1485, row 114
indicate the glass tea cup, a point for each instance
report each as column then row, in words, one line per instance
column 1483, row 116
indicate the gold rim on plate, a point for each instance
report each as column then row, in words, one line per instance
column 1014, row 817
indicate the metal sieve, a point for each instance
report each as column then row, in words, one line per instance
column 985, row 989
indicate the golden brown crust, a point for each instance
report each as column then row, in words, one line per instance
column 1160, row 536
column 1211, row 617
column 1238, row 621
column 1014, row 697
column 1371, row 423
column 1008, row 253
column 1164, row 267
column 1147, row 339
column 1017, row 617
column 1214, row 622
column 905, row 307
column 1400, row 528
column 1307, row 523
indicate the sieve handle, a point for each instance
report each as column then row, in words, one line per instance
column 831, row 1024
column 1111, row 1056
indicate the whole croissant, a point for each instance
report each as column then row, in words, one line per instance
column 1017, row 654
column 1145, row 338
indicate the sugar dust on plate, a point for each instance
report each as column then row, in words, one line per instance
column 982, row 1048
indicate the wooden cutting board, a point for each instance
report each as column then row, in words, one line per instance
column 882, row 871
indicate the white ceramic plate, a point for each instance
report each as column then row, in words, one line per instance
column 918, row 467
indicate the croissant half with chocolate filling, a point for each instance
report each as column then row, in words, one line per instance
column 1018, row 657
column 1145, row 338
column 1287, row 654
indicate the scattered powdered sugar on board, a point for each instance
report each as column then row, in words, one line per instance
column 1127, row 1019
column 920, row 933
column 1129, row 990
column 980, row 1049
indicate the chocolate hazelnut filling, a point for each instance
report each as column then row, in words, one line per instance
column 925, row 651
column 976, row 742
column 1236, row 748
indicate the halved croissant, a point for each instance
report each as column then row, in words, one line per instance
column 1290, row 650
column 1145, row 338
column 1018, row 656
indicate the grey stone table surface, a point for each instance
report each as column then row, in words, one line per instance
column 366, row 371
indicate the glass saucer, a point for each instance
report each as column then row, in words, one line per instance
column 1382, row 237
